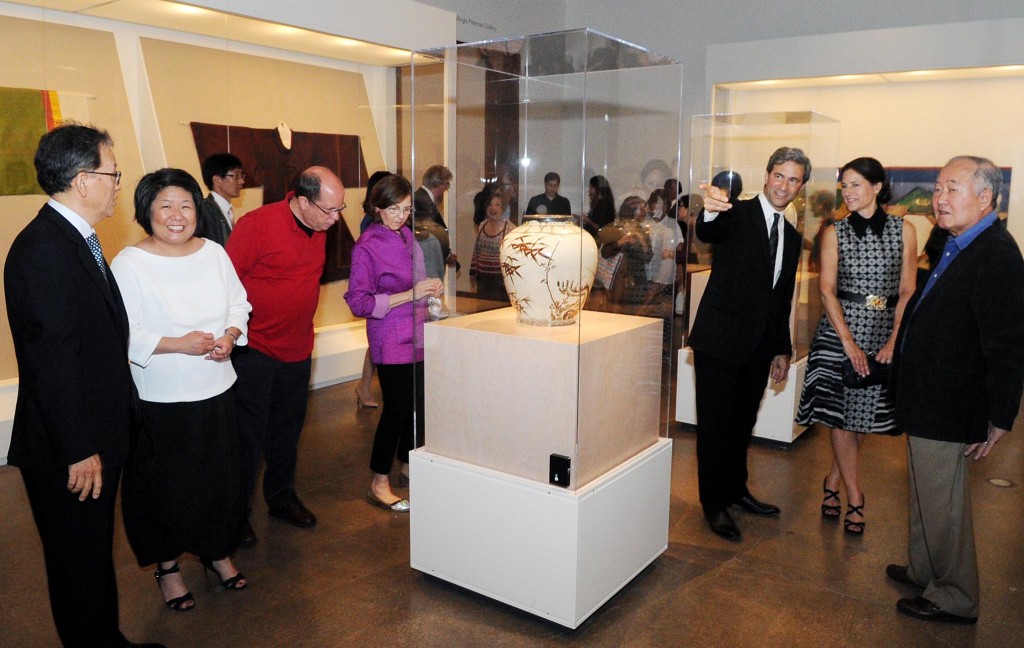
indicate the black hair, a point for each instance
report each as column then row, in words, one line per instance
column 219, row 164
column 370, row 184
column 872, row 171
column 551, row 176
column 152, row 184
column 65, row 152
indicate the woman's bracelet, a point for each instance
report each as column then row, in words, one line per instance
column 233, row 336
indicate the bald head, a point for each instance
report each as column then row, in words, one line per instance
column 319, row 198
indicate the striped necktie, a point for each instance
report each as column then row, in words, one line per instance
column 773, row 242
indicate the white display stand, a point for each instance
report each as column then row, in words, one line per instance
column 775, row 419
column 555, row 553
column 8, row 400
column 501, row 398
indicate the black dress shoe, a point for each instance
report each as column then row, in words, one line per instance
column 295, row 513
column 246, row 535
column 899, row 574
column 723, row 525
column 750, row 504
column 921, row 608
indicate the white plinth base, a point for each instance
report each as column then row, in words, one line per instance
column 775, row 419
column 555, row 553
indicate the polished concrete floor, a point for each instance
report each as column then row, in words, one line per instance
column 793, row 581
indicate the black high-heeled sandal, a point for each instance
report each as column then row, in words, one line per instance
column 236, row 582
column 829, row 511
column 183, row 603
column 851, row 527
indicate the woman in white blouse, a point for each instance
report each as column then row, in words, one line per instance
column 182, row 489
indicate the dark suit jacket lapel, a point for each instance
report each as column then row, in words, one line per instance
column 759, row 222
column 85, row 257
column 217, row 219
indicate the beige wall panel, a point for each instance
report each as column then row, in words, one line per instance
column 191, row 83
column 83, row 65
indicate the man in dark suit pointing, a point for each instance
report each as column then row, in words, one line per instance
column 75, row 392
column 741, row 333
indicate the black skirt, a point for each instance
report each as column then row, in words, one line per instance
column 182, row 489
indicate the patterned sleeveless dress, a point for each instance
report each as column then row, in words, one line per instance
column 868, row 265
column 486, row 264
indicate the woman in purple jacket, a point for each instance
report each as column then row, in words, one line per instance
column 388, row 288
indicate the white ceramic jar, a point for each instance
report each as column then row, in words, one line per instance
column 548, row 265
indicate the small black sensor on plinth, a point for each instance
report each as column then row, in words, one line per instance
column 558, row 473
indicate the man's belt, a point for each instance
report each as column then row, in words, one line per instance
column 873, row 302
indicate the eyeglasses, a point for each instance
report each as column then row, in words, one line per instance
column 116, row 175
column 237, row 174
column 330, row 212
column 395, row 210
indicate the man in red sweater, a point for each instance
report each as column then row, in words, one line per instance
column 278, row 252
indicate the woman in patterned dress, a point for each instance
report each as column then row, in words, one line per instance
column 486, row 263
column 868, row 272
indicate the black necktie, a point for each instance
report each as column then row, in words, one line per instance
column 773, row 242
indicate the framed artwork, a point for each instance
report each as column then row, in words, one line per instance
column 912, row 191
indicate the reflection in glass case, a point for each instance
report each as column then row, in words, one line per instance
column 568, row 126
column 543, row 410
column 731, row 151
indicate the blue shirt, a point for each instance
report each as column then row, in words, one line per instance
column 954, row 246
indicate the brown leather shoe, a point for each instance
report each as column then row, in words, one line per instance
column 921, row 608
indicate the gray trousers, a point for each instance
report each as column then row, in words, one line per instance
column 941, row 546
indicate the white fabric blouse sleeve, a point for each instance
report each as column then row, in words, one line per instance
column 141, row 342
column 239, row 308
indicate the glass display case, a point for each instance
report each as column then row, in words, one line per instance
column 731, row 151
column 546, row 384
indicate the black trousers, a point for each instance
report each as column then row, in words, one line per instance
column 402, row 388
column 78, row 539
column 728, row 397
column 271, row 397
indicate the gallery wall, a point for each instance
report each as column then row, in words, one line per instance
column 82, row 64
column 146, row 84
column 912, row 124
column 257, row 92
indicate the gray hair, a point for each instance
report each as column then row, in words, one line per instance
column 436, row 176
column 790, row 154
column 986, row 176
